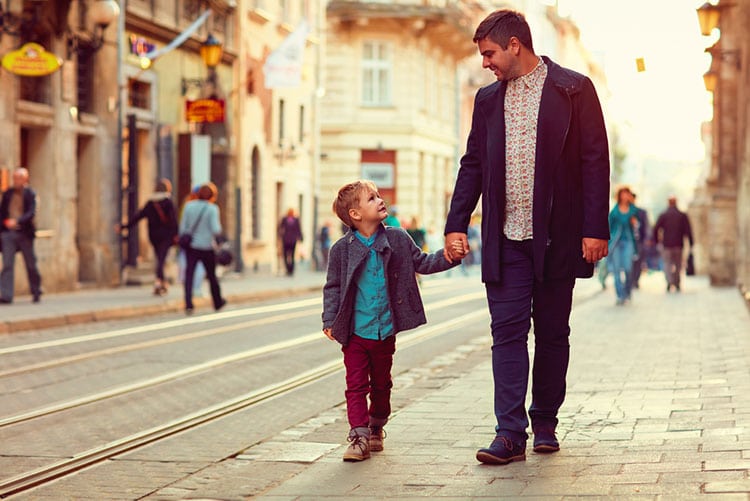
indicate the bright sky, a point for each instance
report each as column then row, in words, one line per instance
column 661, row 109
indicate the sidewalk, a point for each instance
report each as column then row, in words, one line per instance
column 89, row 305
column 658, row 407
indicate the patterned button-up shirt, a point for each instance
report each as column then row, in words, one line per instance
column 522, row 99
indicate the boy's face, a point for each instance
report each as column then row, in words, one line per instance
column 371, row 207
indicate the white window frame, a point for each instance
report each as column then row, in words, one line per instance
column 375, row 71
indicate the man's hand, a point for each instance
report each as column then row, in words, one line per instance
column 456, row 246
column 328, row 334
column 11, row 223
column 594, row 249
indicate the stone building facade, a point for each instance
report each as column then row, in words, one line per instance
column 62, row 127
column 721, row 210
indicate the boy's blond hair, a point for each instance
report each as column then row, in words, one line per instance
column 348, row 198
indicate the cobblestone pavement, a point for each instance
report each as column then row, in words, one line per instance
column 658, row 407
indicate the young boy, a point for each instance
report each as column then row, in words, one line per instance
column 370, row 295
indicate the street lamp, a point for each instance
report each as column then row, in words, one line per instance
column 211, row 51
column 708, row 17
column 102, row 13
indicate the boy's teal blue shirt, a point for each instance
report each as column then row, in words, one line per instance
column 402, row 259
column 372, row 315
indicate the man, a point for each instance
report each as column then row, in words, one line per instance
column 290, row 232
column 670, row 230
column 641, row 241
column 537, row 154
column 17, row 231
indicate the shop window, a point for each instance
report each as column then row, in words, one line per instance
column 139, row 94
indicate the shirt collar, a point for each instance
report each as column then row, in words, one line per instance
column 532, row 78
column 368, row 241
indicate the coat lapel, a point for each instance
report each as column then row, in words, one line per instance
column 494, row 110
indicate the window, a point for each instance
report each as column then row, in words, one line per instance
column 281, row 123
column 139, row 94
column 376, row 74
column 85, row 80
column 191, row 10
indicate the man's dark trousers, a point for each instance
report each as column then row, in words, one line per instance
column 13, row 241
column 513, row 303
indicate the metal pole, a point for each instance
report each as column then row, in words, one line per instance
column 118, row 142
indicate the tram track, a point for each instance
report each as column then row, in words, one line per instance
column 59, row 469
column 195, row 369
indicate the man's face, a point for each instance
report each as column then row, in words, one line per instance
column 371, row 207
column 19, row 179
column 502, row 62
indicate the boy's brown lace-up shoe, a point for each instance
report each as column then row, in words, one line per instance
column 359, row 448
column 377, row 434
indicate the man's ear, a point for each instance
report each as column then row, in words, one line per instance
column 515, row 44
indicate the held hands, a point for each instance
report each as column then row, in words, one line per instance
column 456, row 246
column 328, row 334
column 594, row 249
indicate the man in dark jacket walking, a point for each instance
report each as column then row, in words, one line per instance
column 537, row 154
column 671, row 229
column 290, row 232
column 17, row 232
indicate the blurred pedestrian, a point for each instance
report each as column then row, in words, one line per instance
column 622, row 220
column 200, row 271
column 161, row 215
column 671, row 230
column 537, row 156
column 416, row 232
column 642, row 239
column 200, row 219
column 324, row 239
column 392, row 218
column 433, row 239
column 363, row 311
column 290, row 232
column 17, row 233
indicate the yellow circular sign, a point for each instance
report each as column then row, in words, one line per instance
column 31, row 60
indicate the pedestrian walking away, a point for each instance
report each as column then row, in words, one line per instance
column 200, row 219
column 622, row 221
column 290, row 232
column 17, row 233
column 537, row 154
column 370, row 295
column 161, row 215
column 671, row 229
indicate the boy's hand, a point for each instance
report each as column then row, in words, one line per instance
column 328, row 334
column 456, row 246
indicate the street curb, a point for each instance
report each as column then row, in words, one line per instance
column 128, row 312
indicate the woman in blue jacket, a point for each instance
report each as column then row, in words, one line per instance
column 622, row 218
column 200, row 219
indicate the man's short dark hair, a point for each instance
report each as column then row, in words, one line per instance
column 503, row 24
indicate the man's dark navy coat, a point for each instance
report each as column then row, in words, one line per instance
column 571, row 176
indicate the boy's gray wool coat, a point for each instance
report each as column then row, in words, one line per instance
column 402, row 259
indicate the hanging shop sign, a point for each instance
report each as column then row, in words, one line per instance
column 204, row 110
column 31, row 60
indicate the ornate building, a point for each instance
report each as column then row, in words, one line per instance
column 721, row 210
column 60, row 123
